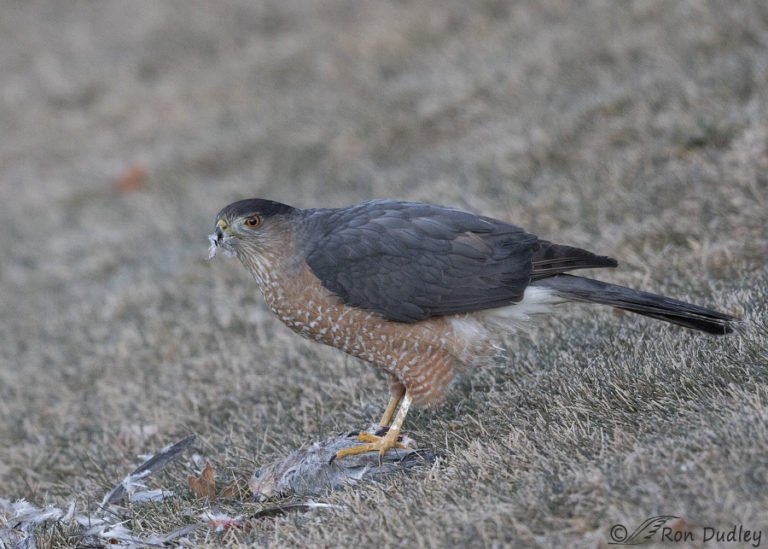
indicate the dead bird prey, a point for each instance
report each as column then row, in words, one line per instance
column 313, row 470
column 420, row 291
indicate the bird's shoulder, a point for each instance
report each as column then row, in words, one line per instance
column 410, row 260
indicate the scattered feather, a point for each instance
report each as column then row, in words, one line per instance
column 303, row 472
column 20, row 519
column 149, row 495
column 219, row 522
column 150, row 466
column 310, row 505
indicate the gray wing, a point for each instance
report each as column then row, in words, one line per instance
column 409, row 261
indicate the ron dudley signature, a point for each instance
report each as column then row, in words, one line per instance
column 658, row 529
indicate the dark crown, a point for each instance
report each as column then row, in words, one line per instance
column 254, row 206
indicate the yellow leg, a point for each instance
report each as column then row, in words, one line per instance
column 394, row 400
column 382, row 444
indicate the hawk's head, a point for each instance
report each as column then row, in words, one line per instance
column 251, row 229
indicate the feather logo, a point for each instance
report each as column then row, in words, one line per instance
column 642, row 533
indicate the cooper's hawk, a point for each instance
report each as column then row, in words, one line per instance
column 420, row 291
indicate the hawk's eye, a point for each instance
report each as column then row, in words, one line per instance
column 253, row 221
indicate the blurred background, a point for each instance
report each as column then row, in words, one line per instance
column 637, row 129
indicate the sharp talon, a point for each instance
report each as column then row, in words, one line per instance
column 373, row 443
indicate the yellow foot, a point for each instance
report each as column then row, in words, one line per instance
column 373, row 443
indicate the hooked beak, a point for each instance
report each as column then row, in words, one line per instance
column 221, row 228
column 221, row 238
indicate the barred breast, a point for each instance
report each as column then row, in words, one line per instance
column 424, row 356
